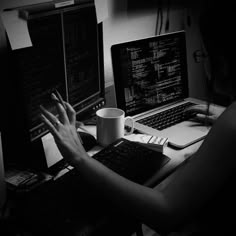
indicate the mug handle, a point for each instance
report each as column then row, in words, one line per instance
column 132, row 127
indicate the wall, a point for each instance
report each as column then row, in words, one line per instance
column 130, row 20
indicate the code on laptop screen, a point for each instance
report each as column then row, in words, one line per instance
column 150, row 72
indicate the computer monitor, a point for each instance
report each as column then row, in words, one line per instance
column 67, row 55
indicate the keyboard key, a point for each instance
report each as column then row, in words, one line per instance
column 168, row 117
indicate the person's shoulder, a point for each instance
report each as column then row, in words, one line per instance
column 233, row 106
column 222, row 135
column 227, row 119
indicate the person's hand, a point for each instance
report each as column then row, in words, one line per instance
column 64, row 131
column 205, row 114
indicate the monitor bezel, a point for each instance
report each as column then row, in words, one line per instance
column 116, row 64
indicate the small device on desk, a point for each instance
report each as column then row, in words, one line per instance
column 88, row 140
column 25, row 180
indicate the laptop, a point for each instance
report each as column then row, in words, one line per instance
column 151, row 79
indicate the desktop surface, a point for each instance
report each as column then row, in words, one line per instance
column 67, row 205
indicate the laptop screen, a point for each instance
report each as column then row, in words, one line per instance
column 150, row 72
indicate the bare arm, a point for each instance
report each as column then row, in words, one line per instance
column 144, row 203
column 205, row 175
column 147, row 205
column 161, row 210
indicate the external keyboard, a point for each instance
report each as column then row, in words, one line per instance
column 131, row 160
column 168, row 117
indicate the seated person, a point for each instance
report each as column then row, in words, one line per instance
column 202, row 188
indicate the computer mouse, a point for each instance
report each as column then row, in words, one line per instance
column 88, row 140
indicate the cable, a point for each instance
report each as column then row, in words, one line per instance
column 159, row 17
column 188, row 20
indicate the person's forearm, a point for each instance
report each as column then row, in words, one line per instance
column 146, row 204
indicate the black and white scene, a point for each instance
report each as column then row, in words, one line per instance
column 117, row 118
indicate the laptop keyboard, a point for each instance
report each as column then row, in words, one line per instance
column 168, row 117
column 131, row 160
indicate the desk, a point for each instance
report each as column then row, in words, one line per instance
column 177, row 157
column 62, row 208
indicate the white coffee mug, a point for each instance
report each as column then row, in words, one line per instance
column 111, row 124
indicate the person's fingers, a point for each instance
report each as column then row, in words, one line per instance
column 201, row 117
column 204, row 119
column 50, row 126
column 53, row 119
column 59, row 97
column 71, row 113
column 211, row 119
column 60, row 109
column 202, row 109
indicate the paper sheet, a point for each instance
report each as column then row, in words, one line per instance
column 101, row 10
column 51, row 151
column 17, row 30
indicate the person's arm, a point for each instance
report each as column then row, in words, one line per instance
column 144, row 203
column 206, row 174
column 193, row 185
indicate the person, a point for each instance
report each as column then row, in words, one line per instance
column 202, row 188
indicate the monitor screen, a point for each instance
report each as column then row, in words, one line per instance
column 64, row 56
column 150, row 72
